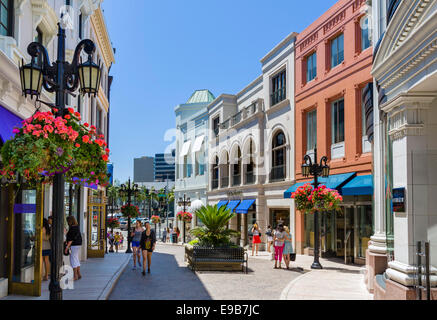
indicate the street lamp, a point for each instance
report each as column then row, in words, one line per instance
column 315, row 170
column 61, row 78
column 184, row 202
column 128, row 191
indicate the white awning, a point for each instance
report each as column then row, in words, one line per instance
column 198, row 143
column 185, row 148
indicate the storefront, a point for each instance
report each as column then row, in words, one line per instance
column 96, row 224
column 344, row 233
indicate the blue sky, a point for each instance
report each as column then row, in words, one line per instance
column 167, row 49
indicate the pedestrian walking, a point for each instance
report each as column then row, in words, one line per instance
column 117, row 240
column 164, row 235
column 288, row 247
column 74, row 242
column 148, row 241
column 136, row 238
column 279, row 242
column 111, row 241
column 121, row 240
column 46, row 250
column 269, row 234
column 256, row 238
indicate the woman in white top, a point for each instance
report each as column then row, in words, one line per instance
column 279, row 243
column 269, row 234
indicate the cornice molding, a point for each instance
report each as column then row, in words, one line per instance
column 44, row 15
column 101, row 33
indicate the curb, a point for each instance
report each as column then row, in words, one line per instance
column 284, row 293
column 111, row 284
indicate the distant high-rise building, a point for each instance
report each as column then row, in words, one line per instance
column 165, row 166
column 143, row 169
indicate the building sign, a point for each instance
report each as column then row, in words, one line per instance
column 399, row 200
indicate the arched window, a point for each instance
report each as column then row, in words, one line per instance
column 278, row 172
column 224, row 183
column 215, row 173
column 6, row 18
column 250, row 166
column 236, row 168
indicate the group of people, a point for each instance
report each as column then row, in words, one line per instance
column 143, row 244
column 171, row 235
column 115, row 240
column 281, row 241
column 72, row 246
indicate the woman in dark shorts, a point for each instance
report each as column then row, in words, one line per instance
column 147, row 243
column 46, row 249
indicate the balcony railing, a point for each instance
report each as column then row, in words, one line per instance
column 278, row 96
column 278, row 173
column 236, row 118
column 250, row 178
column 236, row 180
column 224, row 182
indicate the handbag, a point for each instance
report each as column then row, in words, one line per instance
column 65, row 247
column 292, row 256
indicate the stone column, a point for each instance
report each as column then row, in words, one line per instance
column 262, row 219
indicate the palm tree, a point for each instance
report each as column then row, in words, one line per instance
column 214, row 233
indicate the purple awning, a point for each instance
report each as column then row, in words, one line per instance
column 8, row 121
column 25, row 208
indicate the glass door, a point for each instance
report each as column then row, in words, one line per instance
column 25, row 243
column 96, row 224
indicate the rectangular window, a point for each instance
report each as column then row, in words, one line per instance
column 215, row 126
column 365, row 35
column 337, row 51
column 337, row 121
column 311, row 66
column 79, row 104
column 311, row 130
column 6, row 16
column 278, row 88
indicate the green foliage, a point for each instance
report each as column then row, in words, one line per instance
column 214, row 233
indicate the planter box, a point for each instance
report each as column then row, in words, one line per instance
column 216, row 259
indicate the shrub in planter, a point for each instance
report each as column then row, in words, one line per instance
column 214, row 233
column 155, row 219
column 113, row 223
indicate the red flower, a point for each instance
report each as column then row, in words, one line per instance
column 86, row 124
column 67, row 117
column 86, row 139
column 105, row 157
column 77, row 145
column 71, row 110
column 55, row 110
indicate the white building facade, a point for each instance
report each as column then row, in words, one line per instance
column 405, row 145
column 251, row 143
column 26, row 21
column 191, row 153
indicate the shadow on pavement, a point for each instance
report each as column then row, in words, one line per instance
column 167, row 281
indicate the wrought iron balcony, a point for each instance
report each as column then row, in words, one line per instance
column 278, row 96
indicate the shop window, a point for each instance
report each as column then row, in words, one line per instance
column 337, row 51
column 6, row 17
column 364, row 224
column 236, row 169
column 337, row 126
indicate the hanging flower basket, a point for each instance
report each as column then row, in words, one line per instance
column 130, row 211
column 156, row 219
column 322, row 199
column 184, row 216
column 113, row 223
column 46, row 145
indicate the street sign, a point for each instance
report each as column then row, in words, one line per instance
column 399, row 200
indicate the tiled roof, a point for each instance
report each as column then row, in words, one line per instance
column 201, row 96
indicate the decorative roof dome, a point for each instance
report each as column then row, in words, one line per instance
column 201, row 96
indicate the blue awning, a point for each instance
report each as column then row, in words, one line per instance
column 221, row 203
column 361, row 185
column 8, row 121
column 336, row 181
column 232, row 204
column 244, row 206
column 293, row 188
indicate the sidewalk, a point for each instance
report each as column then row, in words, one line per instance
column 99, row 276
column 336, row 281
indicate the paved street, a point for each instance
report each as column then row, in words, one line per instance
column 171, row 279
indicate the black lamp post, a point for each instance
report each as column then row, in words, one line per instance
column 128, row 191
column 315, row 170
column 184, row 202
column 61, row 78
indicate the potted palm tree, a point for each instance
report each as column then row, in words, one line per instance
column 212, row 249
